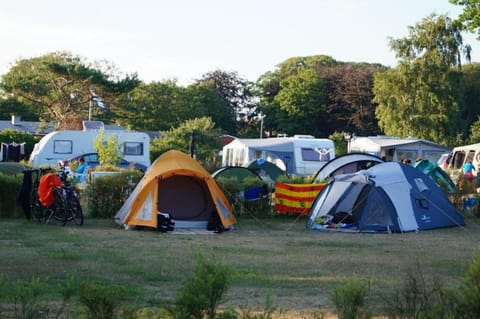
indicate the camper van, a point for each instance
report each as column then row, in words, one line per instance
column 60, row 145
column 459, row 156
column 395, row 149
column 301, row 155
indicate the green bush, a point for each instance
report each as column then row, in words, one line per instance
column 200, row 295
column 100, row 300
column 469, row 296
column 231, row 187
column 28, row 296
column 350, row 300
column 105, row 195
column 9, row 205
column 421, row 298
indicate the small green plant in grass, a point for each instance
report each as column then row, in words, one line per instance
column 101, row 301
column 350, row 299
column 421, row 298
column 469, row 296
column 200, row 295
column 68, row 290
column 28, row 297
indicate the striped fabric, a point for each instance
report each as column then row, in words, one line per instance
column 295, row 198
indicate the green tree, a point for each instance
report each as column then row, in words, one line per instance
column 328, row 94
column 471, row 96
column 10, row 106
column 237, row 93
column 470, row 17
column 206, row 140
column 58, row 86
column 303, row 98
column 154, row 106
column 422, row 96
column 204, row 100
column 350, row 95
column 109, row 151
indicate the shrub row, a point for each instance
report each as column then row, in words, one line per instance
column 105, row 195
column 10, row 185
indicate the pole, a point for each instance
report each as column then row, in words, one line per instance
column 261, row 125
column 90, row 110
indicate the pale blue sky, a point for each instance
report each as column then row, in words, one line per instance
column 184, row 39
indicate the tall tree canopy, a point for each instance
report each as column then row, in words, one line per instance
column 421, row 97
column 317, row 95
column 350, row 95
column 60, row 86
column 470, row 17
column 154, row 106
column 238, row 96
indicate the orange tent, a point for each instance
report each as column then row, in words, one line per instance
column 178, row 185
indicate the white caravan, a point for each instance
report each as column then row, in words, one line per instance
column 60, row 145
column 397, row 149
column 459, row 156
column 301, row 155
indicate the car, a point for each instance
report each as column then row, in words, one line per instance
column 92, row 161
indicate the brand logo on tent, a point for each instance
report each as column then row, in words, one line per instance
column 425, row 219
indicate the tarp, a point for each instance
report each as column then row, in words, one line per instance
column 437, row 174
column 177, row 185
column 295, row 198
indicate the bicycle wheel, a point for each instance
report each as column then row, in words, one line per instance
column 58, row 210
column 75, row 210
column 36, row 209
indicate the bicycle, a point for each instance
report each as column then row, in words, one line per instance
column 65, row 205
column 73, row 208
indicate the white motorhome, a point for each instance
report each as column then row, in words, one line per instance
column 459, row 156
column 397, row 149
column 301, row 155
column 60, row 145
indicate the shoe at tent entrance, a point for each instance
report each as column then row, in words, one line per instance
column 177, row 185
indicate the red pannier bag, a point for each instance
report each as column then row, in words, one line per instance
column 48, row 182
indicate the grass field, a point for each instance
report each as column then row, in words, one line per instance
column 275, row 257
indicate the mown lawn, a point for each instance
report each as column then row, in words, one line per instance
column 276, row 257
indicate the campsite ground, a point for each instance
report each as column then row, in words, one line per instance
column 276, row 257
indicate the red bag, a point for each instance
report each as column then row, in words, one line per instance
column 48, row 182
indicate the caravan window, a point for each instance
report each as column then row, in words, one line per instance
column 316, row 154
column 458, row 159
column 408, row 155
column 133, row 148
column 62, row 147
column 432, row 155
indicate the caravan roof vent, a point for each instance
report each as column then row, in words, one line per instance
column 303, row 136
column 92, row 125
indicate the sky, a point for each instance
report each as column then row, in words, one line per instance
column 184, row 39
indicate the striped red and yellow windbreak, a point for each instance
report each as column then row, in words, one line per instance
column 295, row 198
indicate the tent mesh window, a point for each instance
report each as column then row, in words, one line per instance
column 377, row 215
